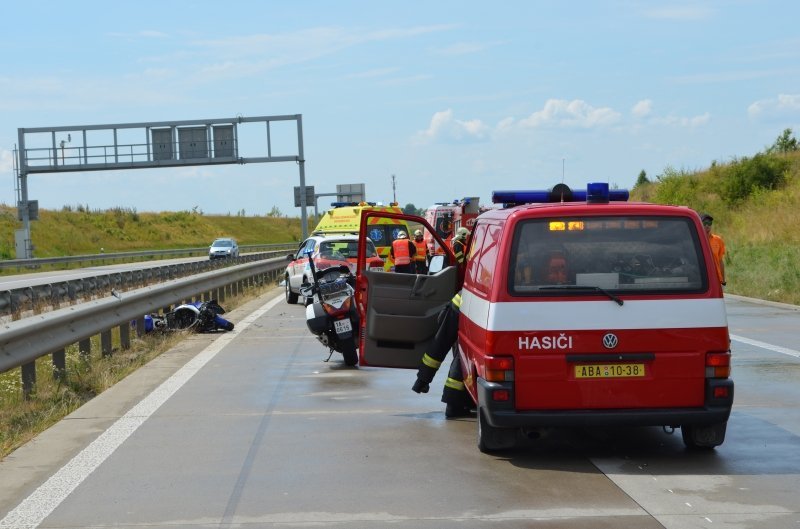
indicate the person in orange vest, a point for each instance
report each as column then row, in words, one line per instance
column 421, row 257
column 402, row 253
column 717, row 247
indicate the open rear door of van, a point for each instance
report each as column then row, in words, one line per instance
column 399, row 312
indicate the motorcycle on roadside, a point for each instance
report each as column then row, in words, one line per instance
column 331, row 316
column 200, row 316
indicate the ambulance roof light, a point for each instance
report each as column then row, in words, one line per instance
column 346, row 204
column 595, row 193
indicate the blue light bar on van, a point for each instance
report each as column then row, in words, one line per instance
column 595, row 193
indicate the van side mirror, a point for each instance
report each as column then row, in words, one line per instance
column 436, row 265
column 290, row 257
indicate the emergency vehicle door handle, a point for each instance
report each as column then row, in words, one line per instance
column 419, row 284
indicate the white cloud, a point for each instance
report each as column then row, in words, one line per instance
column 575, row 113
column 781, row 106
column 6, row 161
column 642, row 109
column 678, row 121
column 444, row 127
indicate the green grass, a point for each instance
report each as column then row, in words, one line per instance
column 80, row 232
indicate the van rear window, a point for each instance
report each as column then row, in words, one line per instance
column 620, row 253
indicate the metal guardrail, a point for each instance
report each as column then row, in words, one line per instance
column 17, row 302
column 23, row 341
column 38, row 261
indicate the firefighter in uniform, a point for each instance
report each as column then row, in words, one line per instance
column 460, row 244
column 402, row 252
column 454, row 394
column 421, row 257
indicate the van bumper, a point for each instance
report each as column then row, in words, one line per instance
column 504, row 415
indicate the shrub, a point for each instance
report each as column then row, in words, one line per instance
column 743, row 177
column 676, row 187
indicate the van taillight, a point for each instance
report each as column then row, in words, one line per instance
column 499, row 368
column 718, row 365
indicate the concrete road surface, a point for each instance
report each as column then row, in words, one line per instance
column 254, row 429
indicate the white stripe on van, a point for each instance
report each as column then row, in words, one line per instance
column 593, row 315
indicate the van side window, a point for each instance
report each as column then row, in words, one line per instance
column 486, row 258
column 476, row 241
column 624, row 254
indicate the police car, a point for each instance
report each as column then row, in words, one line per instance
column 579, row 308
column 327, row 251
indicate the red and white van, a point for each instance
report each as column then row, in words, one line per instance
column 576, row 310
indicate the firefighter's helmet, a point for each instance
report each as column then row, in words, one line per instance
column 402, row 235
column 462, row 233
column 417, row 233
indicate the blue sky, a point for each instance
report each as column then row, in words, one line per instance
column 455, row 98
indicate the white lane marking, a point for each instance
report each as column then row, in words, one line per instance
column 764, row 345
column 35, row 508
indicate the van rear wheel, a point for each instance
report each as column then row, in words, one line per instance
column 492, row 438
column 703, row 436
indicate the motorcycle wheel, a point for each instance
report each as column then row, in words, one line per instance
column 349, row 352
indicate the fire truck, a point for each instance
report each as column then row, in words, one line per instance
column 446, row 218
column 578, row 308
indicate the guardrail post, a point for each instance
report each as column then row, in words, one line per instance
column 140, row 330
column 28, row 379
column 105, row 343
column 60, row 364
column 85, row 348
column 125, row 336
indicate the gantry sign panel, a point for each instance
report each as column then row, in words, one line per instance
column 148, row 146
column 144, row 145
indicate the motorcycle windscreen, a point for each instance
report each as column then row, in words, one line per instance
column 402, row 315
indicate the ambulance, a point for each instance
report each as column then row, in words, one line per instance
column 446, row 218
column 345, row 217
column 578, row 309
column 440, row 216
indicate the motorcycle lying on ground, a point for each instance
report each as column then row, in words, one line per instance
column 332, row 316
column 200, row 316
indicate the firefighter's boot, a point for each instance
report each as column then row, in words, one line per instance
column 455, row 394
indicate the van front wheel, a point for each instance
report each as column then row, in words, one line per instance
column 492, row 438
column 703, row 436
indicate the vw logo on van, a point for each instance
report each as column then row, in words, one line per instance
column 610, row 341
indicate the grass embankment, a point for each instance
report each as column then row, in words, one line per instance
column 80, row 232
column 755, row 203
